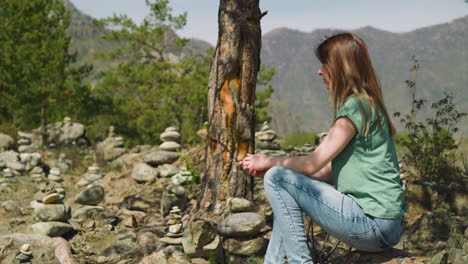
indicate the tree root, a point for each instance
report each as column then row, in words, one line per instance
column 60, row 245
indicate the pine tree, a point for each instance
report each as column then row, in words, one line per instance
column 149, row 90
column 34, row 47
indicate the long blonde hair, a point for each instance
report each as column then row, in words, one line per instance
column 346, row 60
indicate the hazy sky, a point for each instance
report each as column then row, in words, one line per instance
column 304, row 15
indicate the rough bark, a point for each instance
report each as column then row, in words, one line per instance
column 231, row 97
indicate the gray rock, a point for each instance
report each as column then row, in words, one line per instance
column 171, row 240
column 52, row 229
column 25, row 135
column 180, row 179
column 170, row 146
column 6, row 142
column 245, row 247
column 192, row 251
column 170, row 136
column 161, row 157
column 177, row 190
column 28, row 149
column 175, row 229
column 142, row 172
column 53, row 212
column 24, row 141
column 9, row 157
column 268, row 145
column 241, row 224
column 202, row 233
column 30, row 160
column 91, row 196
column 55, row 171
column 268, row 135
column 167, row 170
column 87, row 210
column 237, row 205
column 168, row 129
column 92, row 177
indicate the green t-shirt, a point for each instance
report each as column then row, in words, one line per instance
column 367, row 169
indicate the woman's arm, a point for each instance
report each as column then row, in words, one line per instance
column 342, row 131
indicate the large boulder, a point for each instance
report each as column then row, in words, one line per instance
column 6, row 142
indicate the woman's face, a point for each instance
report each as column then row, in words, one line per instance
column 324, row 75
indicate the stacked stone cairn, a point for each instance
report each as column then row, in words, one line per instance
column 175, row 231
column 25, row 255
column 112, row 147
column 50, row 211
column 170, row 138
column 243, row 229
column 168, row 149
column 54, row 175
column 25, row 143
column 266, row 144
column 93, row 174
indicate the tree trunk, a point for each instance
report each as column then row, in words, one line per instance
column 231, row 97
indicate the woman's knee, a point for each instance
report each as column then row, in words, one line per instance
column 271, row 176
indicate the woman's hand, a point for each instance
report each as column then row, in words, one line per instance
column 257, row 165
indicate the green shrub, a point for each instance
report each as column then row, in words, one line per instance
column 430, row 148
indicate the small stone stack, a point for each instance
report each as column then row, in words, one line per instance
column 63, row 162
column 25, row 255
column 54, row 175
column 173, row 196
column 168, row 149
column 266, row 142
column 175, row 216
column 51, row 212
column 37, row 173
column 93, row 174
column 170, row 138
column 175, row 231
column 24, row 143
column 8, row 173
column 243, row 229
column 111, row 148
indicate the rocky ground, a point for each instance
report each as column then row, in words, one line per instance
column 109, row 204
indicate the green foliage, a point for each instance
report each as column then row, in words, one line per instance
column 298, row 139
column 430, row 144
column 262, row 99
column 35, row 78
column 149, row 92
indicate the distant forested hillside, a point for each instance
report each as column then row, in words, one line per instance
column 299, row 102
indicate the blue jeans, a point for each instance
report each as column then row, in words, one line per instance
column 290, row 193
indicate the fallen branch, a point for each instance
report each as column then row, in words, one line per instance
column 58, row 244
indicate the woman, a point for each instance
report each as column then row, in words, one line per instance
column 365, row 207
